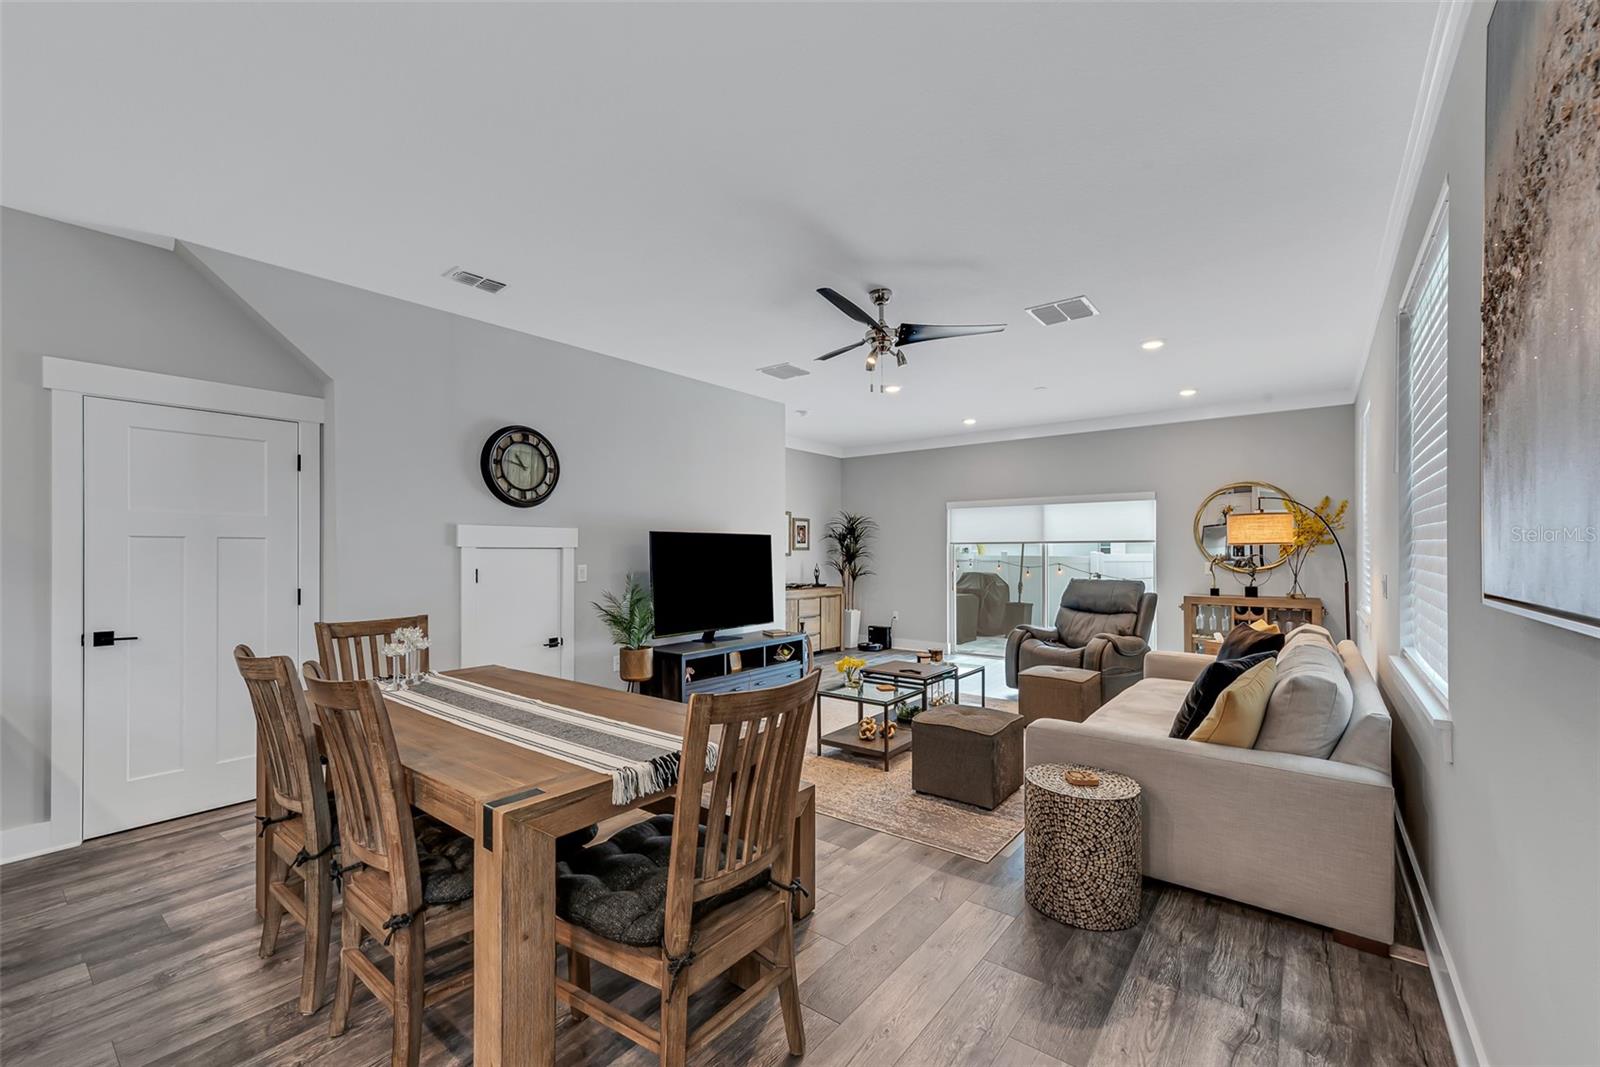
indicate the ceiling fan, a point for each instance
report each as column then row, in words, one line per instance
column 888, row 340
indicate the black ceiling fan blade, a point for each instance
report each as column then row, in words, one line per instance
column 842, row 351
column 911, row 333
column 844, row 304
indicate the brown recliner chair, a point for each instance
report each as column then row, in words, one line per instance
column 1103, row 625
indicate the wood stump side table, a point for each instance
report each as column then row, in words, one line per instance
column 1082, row 847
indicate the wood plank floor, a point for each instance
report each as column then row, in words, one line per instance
column 141, row 949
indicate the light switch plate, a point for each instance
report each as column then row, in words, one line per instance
column 583, row 572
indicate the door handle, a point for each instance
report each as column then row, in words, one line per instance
column 109, row 637
column 553, row 642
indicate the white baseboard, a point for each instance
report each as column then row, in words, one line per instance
column 25, row 842
column 1458, row 1020
column 917, row 644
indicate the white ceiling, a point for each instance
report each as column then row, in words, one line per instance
column 669, row 183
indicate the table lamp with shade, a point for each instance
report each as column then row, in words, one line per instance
column 1278, row 528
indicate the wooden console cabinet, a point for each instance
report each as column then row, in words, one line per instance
column 818, row 612
column 1205, row 615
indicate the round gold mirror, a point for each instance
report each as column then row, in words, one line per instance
column 1211, row 527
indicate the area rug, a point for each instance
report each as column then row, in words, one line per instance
column 859, row 791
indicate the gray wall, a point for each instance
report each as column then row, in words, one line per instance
column 1508, row 835
column 79, row 294
column 416, row 391
column 1308, row 453
column 815, row 489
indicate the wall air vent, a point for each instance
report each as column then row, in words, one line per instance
column 474, row 281
column 1071, row 309
column 784, row 370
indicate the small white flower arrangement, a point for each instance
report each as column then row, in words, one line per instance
column 407, row 642
column 410, row 637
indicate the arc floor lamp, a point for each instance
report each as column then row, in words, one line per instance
column 1277, row 528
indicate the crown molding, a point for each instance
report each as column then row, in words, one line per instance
column 820, row 448
column 1449, row 29
column 1127, row 421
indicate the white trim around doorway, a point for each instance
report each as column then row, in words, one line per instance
column 69, row 382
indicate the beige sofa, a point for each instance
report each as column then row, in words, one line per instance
column 1308, row 837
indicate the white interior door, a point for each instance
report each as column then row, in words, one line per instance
column 190, row 548
column 512, row 603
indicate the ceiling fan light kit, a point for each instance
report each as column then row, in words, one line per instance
column 885, row 340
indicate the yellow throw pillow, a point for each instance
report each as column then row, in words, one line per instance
column 1262, row 626
column 1235, row 718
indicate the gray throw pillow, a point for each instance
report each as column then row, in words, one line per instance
column 1310, row 703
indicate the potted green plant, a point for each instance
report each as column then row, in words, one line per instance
column 849, row 540
column 631, row 620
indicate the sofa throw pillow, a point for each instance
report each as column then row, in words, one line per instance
column 1311, row 702
column 1308, row 632
column 1217, row 676
column 1235, row 719
column 1263, row 626
column 1245, row 640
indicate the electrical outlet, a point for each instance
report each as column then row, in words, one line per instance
column 616, row 661
column 583, row 572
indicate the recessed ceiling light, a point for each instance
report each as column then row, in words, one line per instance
column 1153, row 344
column 1187, row 392
column 969, row 422
column 891, row 388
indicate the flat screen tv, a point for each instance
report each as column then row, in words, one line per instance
column 705, row 582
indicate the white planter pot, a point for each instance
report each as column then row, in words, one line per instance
column 852, row 628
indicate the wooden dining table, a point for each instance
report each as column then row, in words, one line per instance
column 514, row 802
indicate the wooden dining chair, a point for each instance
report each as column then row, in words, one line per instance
column 728, row 881
column 350, row 650
column 409, row 894
column 295, row 858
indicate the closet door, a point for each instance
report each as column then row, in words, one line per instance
column 511, row 608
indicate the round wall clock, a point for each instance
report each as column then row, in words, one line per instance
column 520, row 466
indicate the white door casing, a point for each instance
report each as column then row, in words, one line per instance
column 511, row 601
column 191, row 546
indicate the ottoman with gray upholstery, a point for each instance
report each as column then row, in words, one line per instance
column 1068, row 693
column 973, row 755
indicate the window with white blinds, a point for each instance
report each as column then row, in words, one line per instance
column 1424, row 460
column 1364, row 481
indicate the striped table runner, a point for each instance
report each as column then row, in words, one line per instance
column 639, row 760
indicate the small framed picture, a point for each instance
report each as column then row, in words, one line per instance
column 799, row 535
column 788, row 517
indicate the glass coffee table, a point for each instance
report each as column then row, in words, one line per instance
column 934, row 680
column 882, row 702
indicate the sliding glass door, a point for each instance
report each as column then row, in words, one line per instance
column 998, row 582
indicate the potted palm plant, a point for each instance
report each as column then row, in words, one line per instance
column 631, row 619
column 849, row 540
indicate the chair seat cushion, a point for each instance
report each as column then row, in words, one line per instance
column 618, row 888
column 444, row 857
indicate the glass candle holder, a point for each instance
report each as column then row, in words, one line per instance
column 397, row 673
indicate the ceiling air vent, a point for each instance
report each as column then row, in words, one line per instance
column 784, row 370
column 1071, row 309
column 474, row 281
